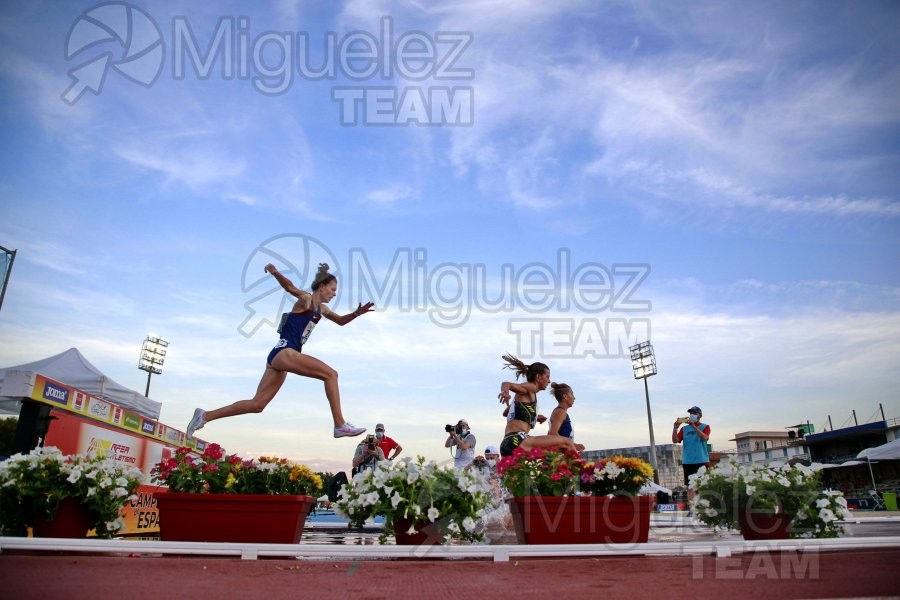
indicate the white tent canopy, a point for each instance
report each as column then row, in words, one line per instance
column 73, row 369
column 889, row 451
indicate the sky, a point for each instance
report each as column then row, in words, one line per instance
column 558, row 181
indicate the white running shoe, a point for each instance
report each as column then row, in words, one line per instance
column 196, row 423
column 348, row 430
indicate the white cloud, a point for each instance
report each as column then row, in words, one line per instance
column 389, row 196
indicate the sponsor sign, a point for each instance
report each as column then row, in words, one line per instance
column 78, row 400
column 56, row 393
column 172, row 435
column 99, row 408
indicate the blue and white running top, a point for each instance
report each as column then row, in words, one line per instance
column 566, row 429
column 295, row 329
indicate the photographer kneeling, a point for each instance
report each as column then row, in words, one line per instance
column 464, row 440
column 367, row 454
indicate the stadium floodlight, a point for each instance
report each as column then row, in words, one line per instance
column 153, row 355
column 7, row 258
column 643, row 363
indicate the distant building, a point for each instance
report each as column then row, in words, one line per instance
column 769, row 447
column 840, row 445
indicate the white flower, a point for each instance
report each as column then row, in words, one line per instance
column 115, row 525
column 396, row 499
column 710, row 512
column 822, row 502
column 433, row 514
column 826, row 515
column 468, row 524
column 751, row 490
column 612, row 470
column 75, row 475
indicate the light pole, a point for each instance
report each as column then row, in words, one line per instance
column 9, row 257
column 644, row 365
column 153, row 355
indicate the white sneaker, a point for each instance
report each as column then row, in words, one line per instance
column 348, row 430
column 196, row 423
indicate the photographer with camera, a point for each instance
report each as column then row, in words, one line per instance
column 695, row 437
column 460, row 436
column 367, row 454
column 487, row 464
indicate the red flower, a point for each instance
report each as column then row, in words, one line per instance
column 214, row 451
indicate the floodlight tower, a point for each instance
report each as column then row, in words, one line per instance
column 643, row 362
column 8, row 258
column 153, row 355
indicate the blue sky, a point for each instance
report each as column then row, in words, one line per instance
column 730, row 168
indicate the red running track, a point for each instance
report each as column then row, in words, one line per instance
column 851, row 574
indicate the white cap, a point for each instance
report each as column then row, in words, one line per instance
column 491, row 450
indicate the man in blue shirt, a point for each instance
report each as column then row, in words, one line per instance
column 694, row 435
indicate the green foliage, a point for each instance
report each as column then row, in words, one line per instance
column 32, row 486
column 419, row 492
column 729, row 488
column 8, row 435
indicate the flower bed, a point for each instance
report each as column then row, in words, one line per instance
column 33, row 485
column 729, row 489
column 417, row 492
column 214, row 472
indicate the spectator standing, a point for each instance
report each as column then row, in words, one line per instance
column 387, row 444
column 694, row 435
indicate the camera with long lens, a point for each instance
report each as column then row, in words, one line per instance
column 370, row 443
column 449, row 428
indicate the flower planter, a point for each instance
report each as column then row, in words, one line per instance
column 72, row 520
column 581, row 519
column 426, row 533
column 761, row 525
column 248, row 518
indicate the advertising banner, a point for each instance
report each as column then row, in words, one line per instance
column 64, row 397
